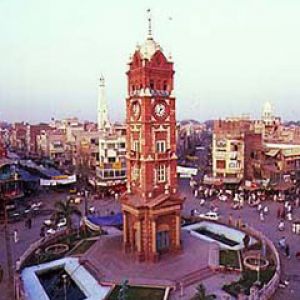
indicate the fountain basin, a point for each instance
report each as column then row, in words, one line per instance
column 33, row 280
column 253, row 262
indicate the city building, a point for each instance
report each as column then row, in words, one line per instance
column 18, row 137
column 33, row 131
column 11, row 186
column 51, row 144
column 111, row 170
column 245, row 149
column 228, row 149
column 151, row 206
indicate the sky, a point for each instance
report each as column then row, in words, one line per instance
column 230, row 56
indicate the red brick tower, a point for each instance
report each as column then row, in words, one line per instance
column 151, row 206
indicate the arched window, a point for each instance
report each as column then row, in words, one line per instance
column 151, row 84
column 165, row 85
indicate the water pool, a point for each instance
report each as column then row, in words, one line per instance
column 226, row 237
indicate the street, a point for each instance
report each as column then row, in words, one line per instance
column 249, row 215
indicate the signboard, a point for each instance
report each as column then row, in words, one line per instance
column 186, row 172
column 54, row 182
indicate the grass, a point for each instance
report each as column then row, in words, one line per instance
column 82, row 247
column 230, row 258
column 139, row 293
column 247, row 279
column 71, row 240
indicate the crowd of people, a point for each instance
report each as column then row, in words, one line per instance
column 287, row 201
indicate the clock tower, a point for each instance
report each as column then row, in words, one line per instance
column 151, row 206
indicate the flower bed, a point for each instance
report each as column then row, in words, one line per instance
column 139, row 292
column 230, row 258
column 39, row 255
column 247, row 279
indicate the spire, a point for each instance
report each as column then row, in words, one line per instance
column 103, row 120
column 149, row 23
column 102, row 81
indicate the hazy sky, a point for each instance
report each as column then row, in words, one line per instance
column 230, row 55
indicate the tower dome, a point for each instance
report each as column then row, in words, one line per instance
column 149, row 48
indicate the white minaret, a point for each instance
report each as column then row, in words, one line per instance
column 103, row 121
column 268, row 114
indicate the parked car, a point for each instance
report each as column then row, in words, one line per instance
column 210, row 215
column 223, row 197
column 61, row 224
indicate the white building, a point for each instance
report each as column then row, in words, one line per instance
column 112, row 146
column 268, row 116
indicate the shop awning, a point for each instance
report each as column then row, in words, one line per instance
column 114, row 220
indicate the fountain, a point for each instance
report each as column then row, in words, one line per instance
column 253, row 262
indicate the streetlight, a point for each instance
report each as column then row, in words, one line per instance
column 258, row 271
column 64, row 277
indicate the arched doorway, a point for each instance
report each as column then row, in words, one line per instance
column 163, row 238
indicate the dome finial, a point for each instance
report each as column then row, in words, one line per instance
column 149, row 23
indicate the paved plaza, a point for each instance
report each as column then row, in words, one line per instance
column 291, row 267
column 114, row 265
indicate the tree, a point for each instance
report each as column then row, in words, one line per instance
column 201, row 293
column 65, row 209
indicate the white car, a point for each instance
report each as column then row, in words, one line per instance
column 223, row 197
column 61, row 224
column 50, row 231
column 210, row 215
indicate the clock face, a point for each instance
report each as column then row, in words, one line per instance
column 136, row 109
column 160, row 110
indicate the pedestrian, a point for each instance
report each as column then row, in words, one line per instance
column 42, row 233
column 282, row 242
column 259, row 207
column 281, row 225
column 287, row 251
column 266, row 209
column 29, row 223
column 230, row 219
column 297, row 202
column 196, row 193
column 261, row 216
column 278, row 213
column 16, row 235
column 18, row 264
column 289, row 216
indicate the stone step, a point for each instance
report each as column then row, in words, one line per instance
column 92, row 269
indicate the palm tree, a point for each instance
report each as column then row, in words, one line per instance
column 201, row 294
column 65, row 209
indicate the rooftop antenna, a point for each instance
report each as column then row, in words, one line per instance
column 149, row 23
